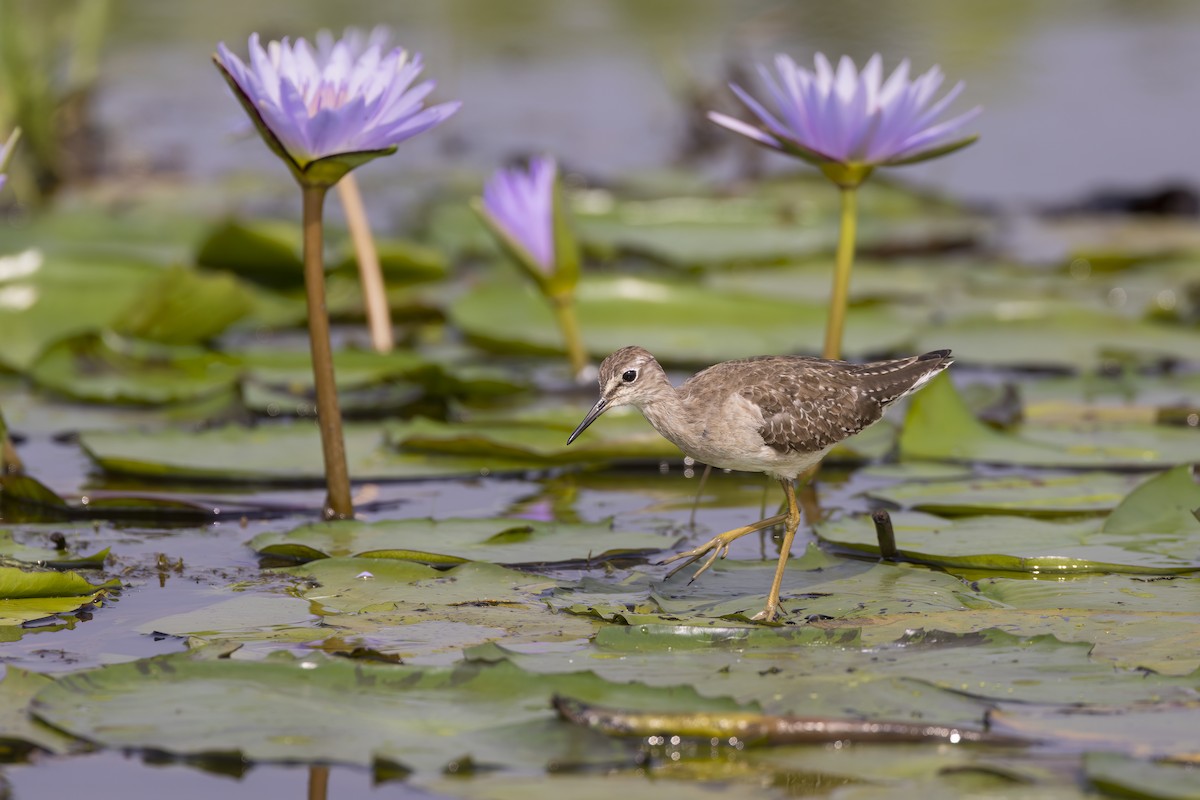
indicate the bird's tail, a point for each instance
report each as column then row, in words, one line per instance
column 888, row 381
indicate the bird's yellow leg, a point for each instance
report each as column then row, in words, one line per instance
column 718, row 546
column 791, row 520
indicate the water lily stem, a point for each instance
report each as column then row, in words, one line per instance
column 379, row 316
column 329, row 416
column 564, row 313
column 841, row 276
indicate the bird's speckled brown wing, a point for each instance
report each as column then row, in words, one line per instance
column 809, row 404
column 811, row 408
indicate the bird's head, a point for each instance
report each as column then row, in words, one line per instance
column 630, row 376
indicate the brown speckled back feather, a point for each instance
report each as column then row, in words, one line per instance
column 809, row 404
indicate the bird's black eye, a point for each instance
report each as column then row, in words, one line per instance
column 630, row 376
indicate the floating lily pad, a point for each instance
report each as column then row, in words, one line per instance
column 1066, row 338
column 677, row 321
column 455, row 541
column 1124, row 776
column 1166, row 642
column 939, row 427
column 245, row 616
column 109, row 369
column 1162, row 730
column 417, row 613
column 1057, row 495
column 1167, row 503
column 186, row 307
column 48, row 557
column 775, row 220
column 271, row 453
column 415, row 718
column 44, row 298
column 1016, row 544
column 28, row 593
column 401, row 261
column 18, row 731
column 816, row 671
column 814, row 586
column 267, row 253
column 1174, row 594
column 619, row 437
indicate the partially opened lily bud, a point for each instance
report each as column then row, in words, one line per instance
column 6, row 153
column 525, row 211
column 327, row 110
column 848, row 122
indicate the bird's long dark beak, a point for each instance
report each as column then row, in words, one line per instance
column 596, row 411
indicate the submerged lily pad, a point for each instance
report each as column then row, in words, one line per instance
column 1017, row 544
column 677, row 321
column 455, row 541
column 940, row 427
column 320, row 709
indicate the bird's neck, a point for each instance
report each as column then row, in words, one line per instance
column 665, row 409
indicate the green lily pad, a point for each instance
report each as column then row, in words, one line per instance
column 18, row 731
column 245, row 616
column 1124, row 776
column 791, row 216
column 456, row 541
column 401, row 261
column 28, row 593
column 186, row 307
column 270, row 453
column 267, row 253
column 1165, row 642
column 1070, row 338
column 1167, row 503
column 624, row 437
column 318, row 709
column 940, row 427
column 46, row 556
column 1174, row 594
column 1057, row 495
column 1162, row 730
column 814, row 586
column 109, row 369
column 932, row 674
column 44, row 298
column 677, row 321
column 424, row 615
column 1016, row 544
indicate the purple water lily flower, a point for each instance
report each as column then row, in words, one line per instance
column 847, row 117
column 520, row 204
column 345, row 96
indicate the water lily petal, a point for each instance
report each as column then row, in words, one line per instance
column 846, row 115
column 345, row 95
